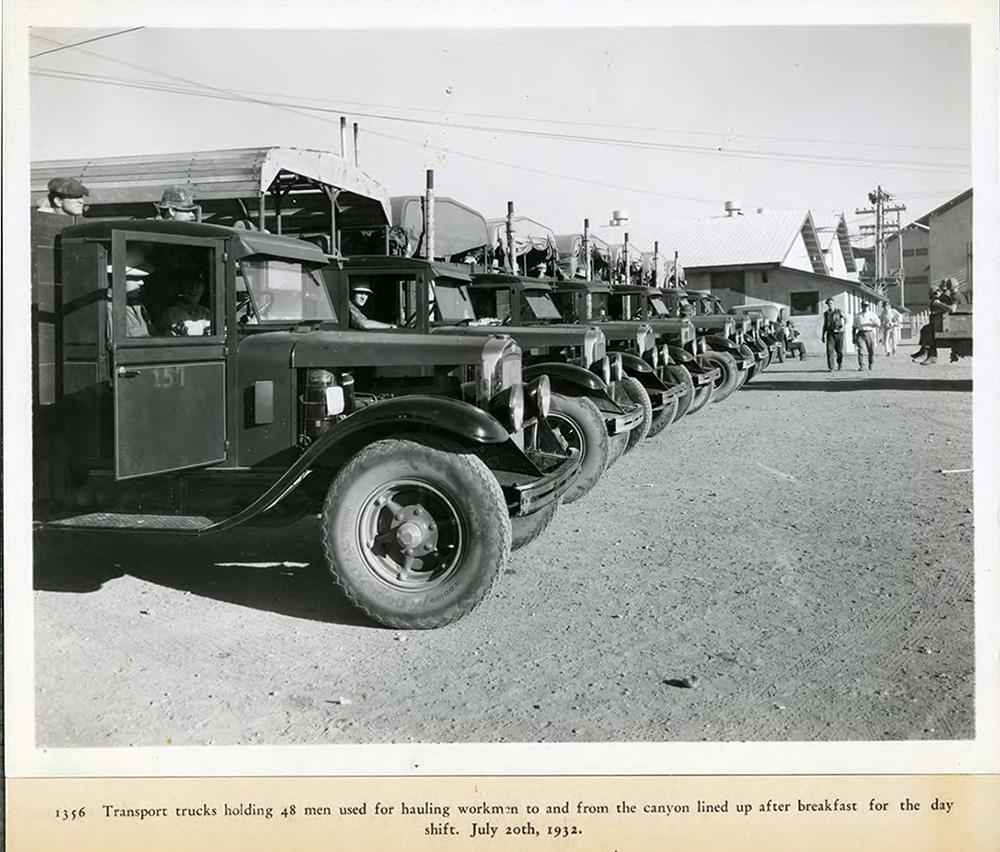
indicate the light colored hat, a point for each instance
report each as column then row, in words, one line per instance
column 362, row 288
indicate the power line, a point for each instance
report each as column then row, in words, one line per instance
column 78, row 43
column 791, row 157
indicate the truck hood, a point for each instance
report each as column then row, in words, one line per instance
column 320, row 348
column 527, row 337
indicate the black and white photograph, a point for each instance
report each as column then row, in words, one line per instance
column 549, row 385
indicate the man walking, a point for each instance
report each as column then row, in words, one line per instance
column 865, row 324
column 833, row 335
column 890, row 319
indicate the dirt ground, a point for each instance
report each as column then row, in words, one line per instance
column 789, row 564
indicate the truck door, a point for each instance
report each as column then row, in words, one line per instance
column 168, row 352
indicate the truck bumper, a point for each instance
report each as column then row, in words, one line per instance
column 527, row 494
column 621, row 414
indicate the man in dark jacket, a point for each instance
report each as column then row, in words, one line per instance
column 834, row 326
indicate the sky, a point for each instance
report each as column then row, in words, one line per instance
column 666, row 123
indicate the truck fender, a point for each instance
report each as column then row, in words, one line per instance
column 680, row 354
column 720, row 343
column 634, row 365
column 567, row 379
column 445, row 417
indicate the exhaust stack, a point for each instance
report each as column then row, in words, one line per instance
column 343, row 137
column 357, row 163
column 586, row 248
column 511, row 257
column 429, row 217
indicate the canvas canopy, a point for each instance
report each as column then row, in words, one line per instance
column 228, row 185
column 529, row 235
column 458, row 230
column 571, row 259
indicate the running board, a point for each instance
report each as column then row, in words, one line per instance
column 184, row 524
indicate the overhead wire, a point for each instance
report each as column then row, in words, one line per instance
column 78, row 43
column 792, row 157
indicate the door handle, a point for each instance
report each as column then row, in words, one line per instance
column 124, row 373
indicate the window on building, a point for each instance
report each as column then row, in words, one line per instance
column 804, row 303
column 734, row 282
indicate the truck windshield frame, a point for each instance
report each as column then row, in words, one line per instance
column 452, row 300
column 540, row 305
column 282, row 291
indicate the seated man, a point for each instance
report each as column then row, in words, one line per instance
column 187, row 315
column 136, row 318
column 360, row 294
column 792, row 342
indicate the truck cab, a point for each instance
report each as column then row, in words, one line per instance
column 194, row 377
column 436, row 299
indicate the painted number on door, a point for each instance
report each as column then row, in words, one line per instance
column 168, row 377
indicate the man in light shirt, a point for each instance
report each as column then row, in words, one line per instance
column 866, row 322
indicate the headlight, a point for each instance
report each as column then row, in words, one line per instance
column 617, row 370
column 730, row 328
column 653, row 357
column 539, row 398
column 606, row 370
column 665, row 354
column 508, row 407
column 515, row 408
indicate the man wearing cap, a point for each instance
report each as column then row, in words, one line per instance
column 360, row 294
column 66, row 196
column 833, row 335
column 136, row 317
column 177, row 203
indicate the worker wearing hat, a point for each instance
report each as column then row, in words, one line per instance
column 66, row 196
column 360, row 293
column 177, row 202
column 136, row 317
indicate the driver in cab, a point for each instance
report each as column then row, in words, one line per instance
column 360, row 293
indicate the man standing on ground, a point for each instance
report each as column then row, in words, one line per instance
column 890, row 319
column 833, row 335
column 866, row 322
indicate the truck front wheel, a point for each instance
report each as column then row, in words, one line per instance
column 526, row 528
column 415, row 536
column 638, row 394
column 729, row 377
column 579, row 423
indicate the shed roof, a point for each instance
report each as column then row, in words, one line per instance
column 760, row 239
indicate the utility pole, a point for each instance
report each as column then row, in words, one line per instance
column 880, row 207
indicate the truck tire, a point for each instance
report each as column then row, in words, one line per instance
column 747, row 352
column 445, row 507
column 637, row 393
column 702, row 397
column 616, row 447
column 726, row 383
column 681, row 375
column 524, row 529
column 580, row 425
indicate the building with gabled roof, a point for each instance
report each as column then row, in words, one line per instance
column 938, row 245
column 779, row 258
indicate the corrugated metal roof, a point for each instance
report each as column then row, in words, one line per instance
column 759, row 238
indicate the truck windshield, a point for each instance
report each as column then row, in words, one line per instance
column 269, row 290
column 452, row 301
column 539, row 304
column 598, row 306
